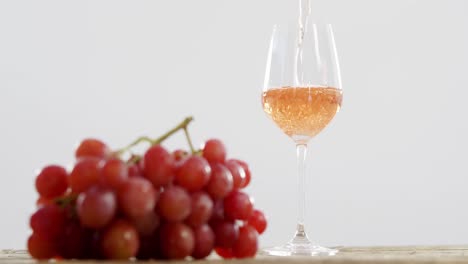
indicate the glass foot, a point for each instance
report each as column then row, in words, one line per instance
column 298, row 250
column 300, row 245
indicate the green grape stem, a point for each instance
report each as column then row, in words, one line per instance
column 181, row 126
column 66, row 200
column 189, row 140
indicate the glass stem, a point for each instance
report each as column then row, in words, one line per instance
column 301, row 164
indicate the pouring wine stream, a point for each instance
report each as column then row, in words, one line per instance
column 305, row 10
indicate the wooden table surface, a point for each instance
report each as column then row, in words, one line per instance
column 352, row 255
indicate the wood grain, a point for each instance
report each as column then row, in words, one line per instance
column 351, row 255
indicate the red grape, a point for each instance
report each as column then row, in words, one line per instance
column 174, row 204
column 218, row 211
column 85, row 174
column 177, row 241
column 225, row 253
column 96, row 207
column 202, row 208
column 135, row 170
column 220, row 183
column 247, row 179
column 52, row 181
column 238, row 173
column 92, row 148
column 237, row 206
column 120, row 241
column 147, row 224
column 73, row 242
column 214, row 151
column 180, row 154
column 246, row 245
column 48, row 221
column 258, row 221
column 159, row 166
column 93, row 245
column 204, row 241
column 149, row 247
column 41, row 201
column 137, row 197
column 114, row 173
column 40, row 247
column 247, row 173
column 226, row 233
column 194, row 173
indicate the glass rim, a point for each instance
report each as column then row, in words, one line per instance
column 296, row 24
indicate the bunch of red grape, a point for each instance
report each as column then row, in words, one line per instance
column 160, row 205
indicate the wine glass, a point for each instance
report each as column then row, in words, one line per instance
column 302, row 93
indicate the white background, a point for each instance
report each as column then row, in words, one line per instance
column 390, row 170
